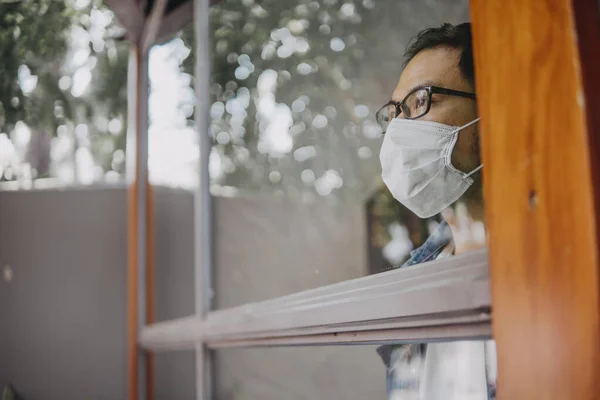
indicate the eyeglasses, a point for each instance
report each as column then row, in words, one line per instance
column 415, row 105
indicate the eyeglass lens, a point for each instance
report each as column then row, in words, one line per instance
column 415, row 105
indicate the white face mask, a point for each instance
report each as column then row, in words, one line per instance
column 416, row 165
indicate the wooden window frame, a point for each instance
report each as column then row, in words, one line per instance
column 542, row 191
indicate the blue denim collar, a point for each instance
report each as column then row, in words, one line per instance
column 432, row 247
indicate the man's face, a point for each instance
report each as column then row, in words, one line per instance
column 439, row 67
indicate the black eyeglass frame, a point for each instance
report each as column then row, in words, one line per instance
column 430, row 90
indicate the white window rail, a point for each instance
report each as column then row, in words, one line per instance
column 437, row 301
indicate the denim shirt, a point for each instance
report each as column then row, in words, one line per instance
column 403, row 362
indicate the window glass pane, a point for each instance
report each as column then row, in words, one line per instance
column 303, row 198
column 63, row 95
column 295, row 163
column 455, row 370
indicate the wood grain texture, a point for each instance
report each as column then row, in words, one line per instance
column 140, row 230
column 132, row 293
column 540, row 132
column 150, row 285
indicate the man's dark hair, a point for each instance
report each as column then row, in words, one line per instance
column 455, row 36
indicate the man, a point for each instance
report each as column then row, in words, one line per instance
column 431, row 164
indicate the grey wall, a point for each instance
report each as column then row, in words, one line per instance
column 64, row 312
column 65, row 306
column 301, row 373
column 174, row 371
column 63, row 315
column 267, row 248
column 3, row 316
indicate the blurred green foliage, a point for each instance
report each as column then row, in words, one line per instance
column 36, row 40
column 32, row 33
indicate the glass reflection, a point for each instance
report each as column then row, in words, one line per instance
column 295, row 88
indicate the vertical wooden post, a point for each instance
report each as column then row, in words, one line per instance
column 149, row 286
column 537, row 73
column 140, row 270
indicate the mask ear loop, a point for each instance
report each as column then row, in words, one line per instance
column 460, row 128
column 472, row 172
column 458, row 131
